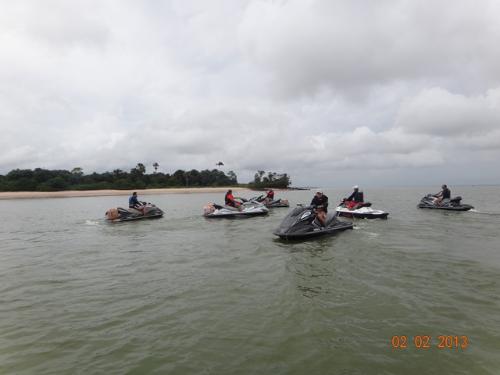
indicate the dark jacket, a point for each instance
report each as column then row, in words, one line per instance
column 356, row 196
column 133, row 202
column 320, row 201
column 446, row 193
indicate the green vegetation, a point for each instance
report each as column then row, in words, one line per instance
column 272, row 180
column 56, row 180
column 40, row 179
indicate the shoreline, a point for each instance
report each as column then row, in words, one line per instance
column 110, row 192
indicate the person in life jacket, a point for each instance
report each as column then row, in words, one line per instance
column 229, row 199
column 270, row 195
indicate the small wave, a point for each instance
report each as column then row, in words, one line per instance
column 93, row 222
column 485, row 213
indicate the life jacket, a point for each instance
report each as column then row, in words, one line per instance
column 270, row 194
column 351, row 204
column 229, row 199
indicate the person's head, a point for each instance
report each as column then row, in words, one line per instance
column 230, row 191
column 355, row 187
column 134, row 193
column 444, row 187
column 319, row 193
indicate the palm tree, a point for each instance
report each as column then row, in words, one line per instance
column 155, row 166
column 219, row 164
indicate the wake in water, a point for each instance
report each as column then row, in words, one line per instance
column 485, row 213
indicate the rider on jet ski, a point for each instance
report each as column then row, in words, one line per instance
column 320, row 203
column 133, row 202
column 443, row 196
column 355, row 198
column 270, row 195
column 229, row 199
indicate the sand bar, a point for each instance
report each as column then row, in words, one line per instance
column 98, row 193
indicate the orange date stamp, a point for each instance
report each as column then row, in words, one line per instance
column 425, row 342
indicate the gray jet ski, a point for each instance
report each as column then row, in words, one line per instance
column 120, row 214
column 246, row 209
column 275, row 203
column 453, row 204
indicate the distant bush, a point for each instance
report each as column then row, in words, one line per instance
column 55, row 180
column 271, row 180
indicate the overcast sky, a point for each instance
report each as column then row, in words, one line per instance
column 335, row 93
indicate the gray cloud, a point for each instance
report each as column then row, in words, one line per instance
column 355, row 44
column 318, row 89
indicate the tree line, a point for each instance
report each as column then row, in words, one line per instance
column 40, row 179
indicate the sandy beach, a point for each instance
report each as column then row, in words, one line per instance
column 97, row 193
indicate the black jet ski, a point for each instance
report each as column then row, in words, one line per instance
column 453, row 204
column 120, row 214
column 301, row 223
column 275, row 203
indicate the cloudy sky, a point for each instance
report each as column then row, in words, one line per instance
column 332, row 92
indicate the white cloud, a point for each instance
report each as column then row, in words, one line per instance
column 313, row 88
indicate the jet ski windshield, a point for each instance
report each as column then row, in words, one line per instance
column 299, row 214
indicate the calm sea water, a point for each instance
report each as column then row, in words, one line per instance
column 187, row 295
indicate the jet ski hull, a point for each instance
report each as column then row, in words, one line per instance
column 277, row 205
column 463, row 207
column 247, row 210
column 236, row 214
column 317, row 232
column 157, row 216
column 362, row 213
column 118, row 215
column 453, row 204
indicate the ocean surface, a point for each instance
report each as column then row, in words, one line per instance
column 189, row 295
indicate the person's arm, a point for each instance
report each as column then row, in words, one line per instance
column 351, row 196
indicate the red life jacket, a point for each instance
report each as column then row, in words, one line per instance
column 351, row 204
column 229, row 199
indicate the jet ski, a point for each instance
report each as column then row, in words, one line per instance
column 301, row 223
column 360, row 210
column 120, row 214
column 453, row 204
column 275, row 203
column 246, row 209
